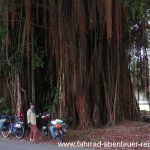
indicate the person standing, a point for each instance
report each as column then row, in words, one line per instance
column 31, row 121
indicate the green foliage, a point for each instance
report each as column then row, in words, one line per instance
column 37, row 61
column 2, row 32
column 3, row 107
column 137, row 10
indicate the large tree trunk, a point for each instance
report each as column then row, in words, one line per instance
column 96, row 76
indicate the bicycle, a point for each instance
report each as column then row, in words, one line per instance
column 14, row 128
column 55, row 128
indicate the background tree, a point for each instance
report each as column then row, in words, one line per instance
column 71, row 58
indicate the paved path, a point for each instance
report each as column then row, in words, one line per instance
column 6, row 144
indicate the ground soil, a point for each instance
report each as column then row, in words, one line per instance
column 125, row 133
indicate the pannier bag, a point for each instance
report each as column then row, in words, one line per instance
column 4, row 119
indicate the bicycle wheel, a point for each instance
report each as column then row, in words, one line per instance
column 19, row 132
column 6, row 131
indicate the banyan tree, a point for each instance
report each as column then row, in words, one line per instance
column 70, row 57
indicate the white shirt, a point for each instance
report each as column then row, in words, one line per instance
column 31, row 117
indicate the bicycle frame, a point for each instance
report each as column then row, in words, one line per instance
column 16, row 128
